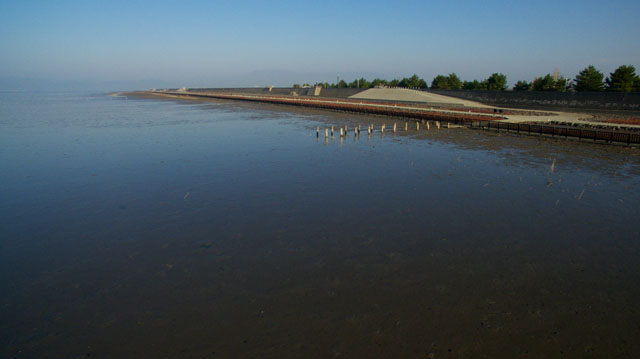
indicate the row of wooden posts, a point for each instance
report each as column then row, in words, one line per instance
column 370, row 129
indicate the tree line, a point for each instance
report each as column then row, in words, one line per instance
column 623, row 79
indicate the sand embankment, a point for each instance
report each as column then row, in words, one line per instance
column 409, row 95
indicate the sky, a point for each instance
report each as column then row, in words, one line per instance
column 255, row 43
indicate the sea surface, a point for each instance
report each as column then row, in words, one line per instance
column 148, row 228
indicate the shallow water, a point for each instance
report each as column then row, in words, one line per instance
column 151, row 228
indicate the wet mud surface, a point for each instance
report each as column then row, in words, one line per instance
column 144, row 228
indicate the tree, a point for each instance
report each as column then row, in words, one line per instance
column 440, row 82
column 561, row 84
column 497, row 81
column 546, row 83
column 474, row 85
column 454, row 82
column 394, row 82
column 296, row 86
column 342, row 84
column 589, row 79
column 622, row 79
column 414, row 82
column 522, row 86
column 378, row 82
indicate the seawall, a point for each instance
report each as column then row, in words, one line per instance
column 628, row 102
column 286, row 91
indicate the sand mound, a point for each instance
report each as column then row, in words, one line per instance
column 399, row 94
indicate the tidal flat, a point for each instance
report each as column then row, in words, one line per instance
column 137, row 228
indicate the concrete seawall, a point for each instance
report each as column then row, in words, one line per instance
column 286, row 91
column 628, row 102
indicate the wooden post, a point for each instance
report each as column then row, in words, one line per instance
column 406, row 127
column 326, row 132
column 438, row 124
column 317, row 131
column 427, row 125
column 341, row 134
column 331, row 131
column 394, row 127
column 417, row 126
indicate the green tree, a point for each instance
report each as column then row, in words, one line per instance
column 342, row 84
column 440, row 82
column 589, row 79
column 474, row 85
column 413, row 81
column 394, row 82
column 497, row 81
column 296, row 86
column 378, row 82
column 561, row 84
column 622, row 79
column 546, row 83
column 522, row 86
column 454, row 82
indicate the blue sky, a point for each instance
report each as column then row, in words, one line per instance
column 245, row 43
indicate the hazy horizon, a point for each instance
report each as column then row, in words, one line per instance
column 119, row 45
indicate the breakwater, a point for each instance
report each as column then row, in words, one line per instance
column 285, row 91
column 613, row 102
column 471, row 118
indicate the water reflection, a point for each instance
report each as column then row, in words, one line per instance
column 223, row 228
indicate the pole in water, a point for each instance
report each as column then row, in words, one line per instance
column 417, row 126
column 427, row 125
column 394, row 127
column 331, row 131
column 382, row 129
column 317, row 131
column 448, row 124
column 326, row 132
column 341, row 134
column 406, row 127
column 438, row 124
column 345, row 130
